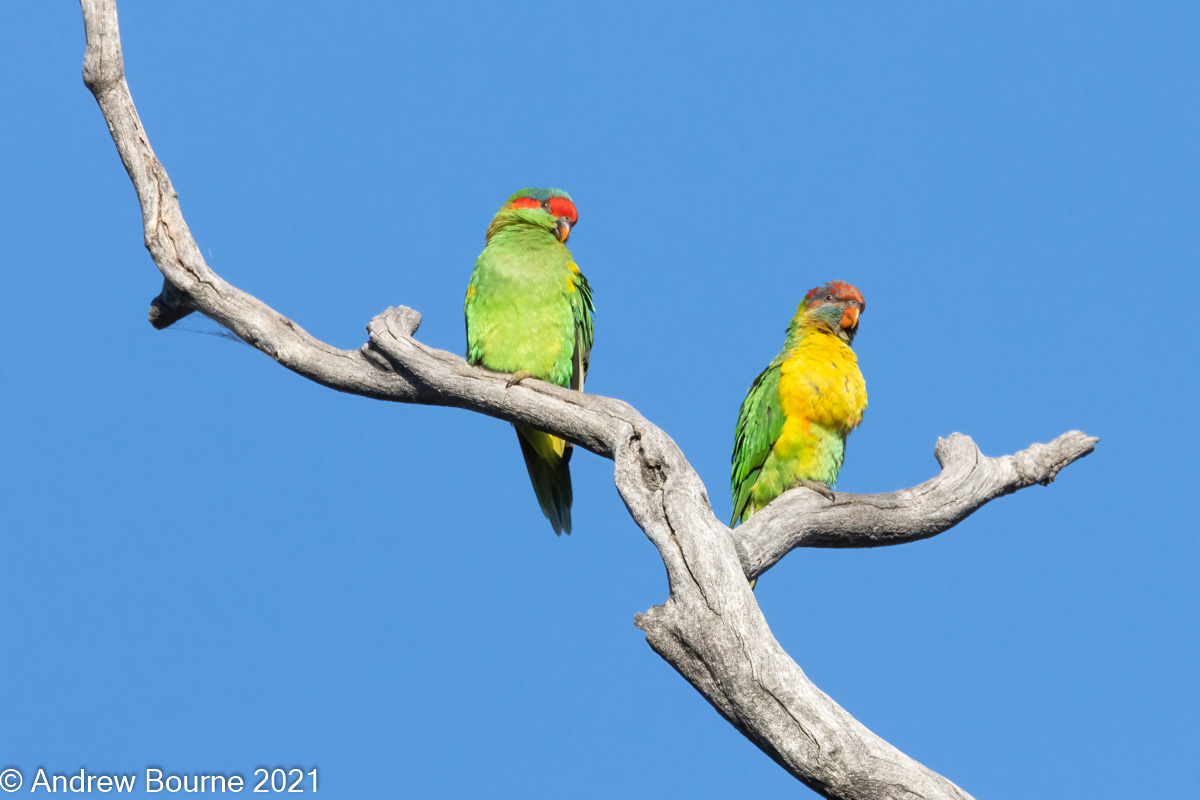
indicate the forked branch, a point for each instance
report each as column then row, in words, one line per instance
column 710, row 628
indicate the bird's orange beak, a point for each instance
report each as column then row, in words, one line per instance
column 850, row 318
column 562, row 230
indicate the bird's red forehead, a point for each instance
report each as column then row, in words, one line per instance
column 562, row 207
column 842, row 292
column 559, row 206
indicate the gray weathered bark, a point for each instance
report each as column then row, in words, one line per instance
column 710, row 628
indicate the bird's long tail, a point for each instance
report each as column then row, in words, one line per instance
column 546, row 458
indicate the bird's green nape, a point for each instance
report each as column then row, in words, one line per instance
column 533, row 210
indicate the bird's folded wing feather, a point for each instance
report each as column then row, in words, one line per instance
column 582, row 309
column 759, row 425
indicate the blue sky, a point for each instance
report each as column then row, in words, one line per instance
column 211, row 565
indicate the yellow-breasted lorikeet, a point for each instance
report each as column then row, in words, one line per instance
column 529, row 312
column 792, row 428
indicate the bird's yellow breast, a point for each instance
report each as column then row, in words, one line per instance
column 820, row 383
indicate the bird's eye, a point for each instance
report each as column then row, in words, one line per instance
column 829, row 297
column 546, row 204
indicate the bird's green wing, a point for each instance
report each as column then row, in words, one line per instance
column 758, row 427
column 582, row 310
column 471, row 315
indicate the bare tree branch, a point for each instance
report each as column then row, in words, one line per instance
column 710, row 629
column 803, row 518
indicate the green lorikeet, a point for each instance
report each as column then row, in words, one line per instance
column 793, row 425
column 529, row 312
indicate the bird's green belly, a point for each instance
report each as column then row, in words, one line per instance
column 814, row 454
column 510, row 333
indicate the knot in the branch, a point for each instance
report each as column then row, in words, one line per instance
column 956, row 448
column 399, row 322
column 103, row 64
column 169, row 307
column 649, row 464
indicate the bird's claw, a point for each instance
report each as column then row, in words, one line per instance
column 819, row 488
column 517, row 377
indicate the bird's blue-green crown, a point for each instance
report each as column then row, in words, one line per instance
column 541, row 195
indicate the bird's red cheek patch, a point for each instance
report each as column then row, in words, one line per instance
column 525, row 202
column 562, row 207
